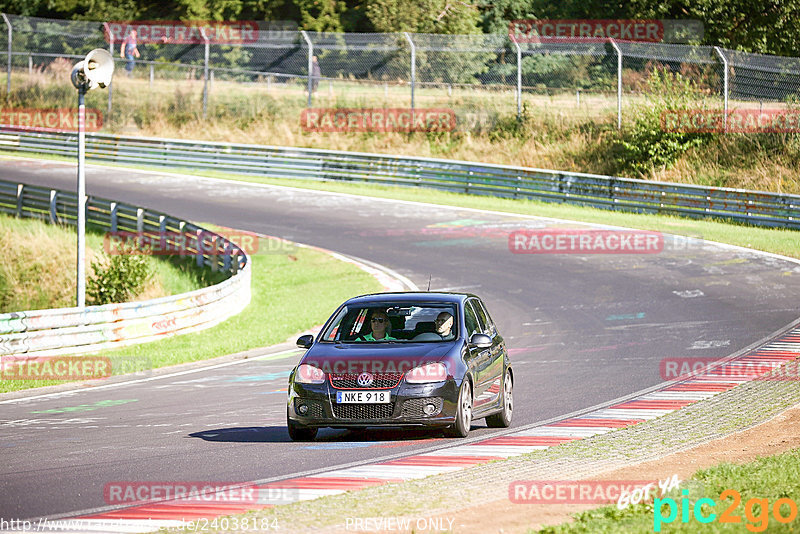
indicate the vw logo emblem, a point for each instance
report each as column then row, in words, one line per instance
column 365, row 380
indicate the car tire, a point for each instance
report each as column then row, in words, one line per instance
column 463, row 422
column 300, row 432
column 502, row 419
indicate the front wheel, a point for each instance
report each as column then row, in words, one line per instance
column 503, row 419
column 299, row 432
column 460, row 428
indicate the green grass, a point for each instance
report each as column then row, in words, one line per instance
column 273, row 315
column 766, row 480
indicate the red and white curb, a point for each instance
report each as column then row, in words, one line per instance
column 671, row 397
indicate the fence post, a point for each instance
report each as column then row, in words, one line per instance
column 205, row 74
column 519, row 78
column 619, row 83
column 310, row 64
column 718, row 50
column 20, row 191
column 53, row 204
column 110, row 85
column 413, row 67
column 8, row 67
column 114, row 209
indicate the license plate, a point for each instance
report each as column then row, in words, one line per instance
column 362, row 397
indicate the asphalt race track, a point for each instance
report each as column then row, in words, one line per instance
column 582, row 329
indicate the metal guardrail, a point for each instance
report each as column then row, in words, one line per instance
column 623, row 194
column 53, row 332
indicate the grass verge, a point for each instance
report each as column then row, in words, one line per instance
column 48, row 255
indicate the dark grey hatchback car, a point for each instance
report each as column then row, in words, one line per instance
column 402, row 359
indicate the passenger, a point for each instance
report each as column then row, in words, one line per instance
column 381, row 328
column 444, row 326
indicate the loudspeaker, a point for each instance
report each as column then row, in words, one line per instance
column 94, row 71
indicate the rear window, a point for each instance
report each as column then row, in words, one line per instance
column 393, row 323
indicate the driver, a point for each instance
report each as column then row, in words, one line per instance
column 381, row 328
column 444, row 326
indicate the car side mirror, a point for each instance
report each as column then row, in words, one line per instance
column 482, row 341
column 305, row 341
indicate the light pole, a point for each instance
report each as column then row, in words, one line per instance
column 94, row 71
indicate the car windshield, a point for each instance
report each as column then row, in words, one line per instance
column 393, row 323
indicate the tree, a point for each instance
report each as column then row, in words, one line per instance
column 424, row 16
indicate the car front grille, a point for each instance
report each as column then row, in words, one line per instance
column 414, row 407
column 350, row 380
column 314, row 408
column 363, row 411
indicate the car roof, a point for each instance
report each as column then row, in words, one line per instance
column 409, row 296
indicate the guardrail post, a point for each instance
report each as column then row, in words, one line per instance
column 413, row 67
column 718, row 50
column 53, row 215
column 226, row 258
column 519, row 78
column 20, row 188
column 199, row 255
column 205, row 73
column 151, row 76
column 113, row 207
column 8, row 65
column 310, row 72
column 139, row 220
column 619, row 83
column 110, row 85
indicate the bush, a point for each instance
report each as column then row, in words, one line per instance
column 118, row 278
column 646, row 145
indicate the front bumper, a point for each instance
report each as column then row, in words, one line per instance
column 404, row 409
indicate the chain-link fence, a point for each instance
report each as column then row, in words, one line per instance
column 485, row 75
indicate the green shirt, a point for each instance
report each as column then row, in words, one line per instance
column 370, row 337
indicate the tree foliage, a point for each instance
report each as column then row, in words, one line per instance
column 766, row 26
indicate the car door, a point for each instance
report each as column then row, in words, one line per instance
column 493, row 373
column 482, row 357
column 476, row 357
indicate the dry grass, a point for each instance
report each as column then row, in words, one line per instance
column 37, row 266
column 559, row 133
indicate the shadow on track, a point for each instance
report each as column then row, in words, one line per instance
column 248, row 434
column 279, row 434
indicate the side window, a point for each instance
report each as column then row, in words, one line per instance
column 471, row 321
column 487, row 320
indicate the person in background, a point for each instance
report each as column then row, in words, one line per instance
column 316, row 73
column 129, row 50
column 444, row 326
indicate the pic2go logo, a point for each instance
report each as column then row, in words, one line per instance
column 755, row 510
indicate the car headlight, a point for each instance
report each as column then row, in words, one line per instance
column 430, row 372
column 308, row 374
